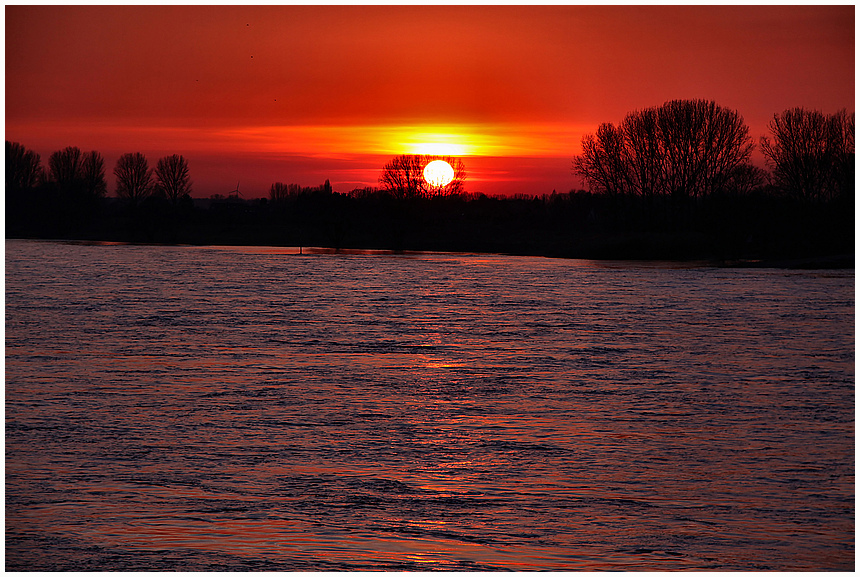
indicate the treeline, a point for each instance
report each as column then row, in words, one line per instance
column 670, row 182
column 575, row 224
column 690, row 149
column 69, row 196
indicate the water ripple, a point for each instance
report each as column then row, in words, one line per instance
column 204, row 408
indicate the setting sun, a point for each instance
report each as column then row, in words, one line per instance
column 438, row 173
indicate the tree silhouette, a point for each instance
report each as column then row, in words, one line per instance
column 77, row 175
column 278, row 192
column 172, row 178
column 842, row 125
column 811, row 154
column 133, row 178
column 602, row 163
column 23, row 168
column 92, row 177
column 65, row 168
column 403, row 176
column 683, row 149
column 745, row 178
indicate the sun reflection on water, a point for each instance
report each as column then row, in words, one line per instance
column 438, row 413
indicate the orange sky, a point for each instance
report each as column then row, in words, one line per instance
column 305, row 93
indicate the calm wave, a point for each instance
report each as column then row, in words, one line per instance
column 216, row 408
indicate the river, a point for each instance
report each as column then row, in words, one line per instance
column 252, row 408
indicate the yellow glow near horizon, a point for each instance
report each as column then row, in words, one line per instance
column 392, row 139
column 454, row 140
column 480, row 139
column 438, row 149
column 440, row 144
column 325, row 141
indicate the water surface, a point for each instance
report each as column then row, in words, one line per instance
column 216, row 408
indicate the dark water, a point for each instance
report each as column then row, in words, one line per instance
column 237, row 408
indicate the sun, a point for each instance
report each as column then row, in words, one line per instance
column 438, row 173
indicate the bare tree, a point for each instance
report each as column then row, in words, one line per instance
column 172, row 177
column 23, row 168
column 278, row 192
column 684, row 148
column 92, row 175
column 745, row 178
column 77, row 174
column 602, row 162
column 640, row 150
column 133, row 177
column 403, row 176
column 842, row 127
column 65, row 168
column 811, row 154
column 703, row 143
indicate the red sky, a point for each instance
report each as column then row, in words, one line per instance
column 306, row 93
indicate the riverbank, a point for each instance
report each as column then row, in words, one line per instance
column 735, row 231
column 835, row 262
